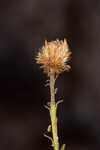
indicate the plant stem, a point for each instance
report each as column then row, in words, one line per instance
column 53, row 112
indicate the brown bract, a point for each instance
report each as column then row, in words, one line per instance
column 54, row 56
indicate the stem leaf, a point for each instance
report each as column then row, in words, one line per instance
column 50, row 138
column 60, row 101
column 63, row 147
column 46, row 107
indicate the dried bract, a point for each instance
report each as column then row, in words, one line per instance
column 54, row 56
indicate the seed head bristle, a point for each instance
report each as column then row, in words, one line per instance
column 54, row 56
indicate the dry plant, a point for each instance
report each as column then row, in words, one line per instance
column 53, row 58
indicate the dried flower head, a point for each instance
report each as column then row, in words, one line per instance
column 54, row 56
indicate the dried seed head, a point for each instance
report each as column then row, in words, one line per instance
column 54, row 56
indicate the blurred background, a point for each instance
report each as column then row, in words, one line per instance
column 24, row 26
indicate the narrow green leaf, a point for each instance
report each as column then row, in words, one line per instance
column 63, row 147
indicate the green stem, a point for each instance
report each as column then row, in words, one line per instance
column 53, row 113
column 54, row 126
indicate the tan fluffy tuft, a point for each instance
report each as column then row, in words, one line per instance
column 54, row 56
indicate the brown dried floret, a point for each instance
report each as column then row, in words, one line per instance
column 54, row 56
